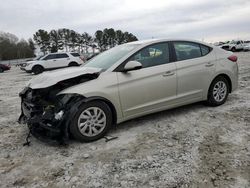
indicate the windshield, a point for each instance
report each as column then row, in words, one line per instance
column 108, row 58
column 39, row 57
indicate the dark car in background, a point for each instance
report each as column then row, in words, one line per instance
column 4, row 67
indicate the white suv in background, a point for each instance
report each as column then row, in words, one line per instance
column 53, row 61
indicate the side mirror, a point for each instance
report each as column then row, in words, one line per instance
column 132, row 65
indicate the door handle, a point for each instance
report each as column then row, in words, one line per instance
column 209, row 64
column 168, row 73
column 54, row 60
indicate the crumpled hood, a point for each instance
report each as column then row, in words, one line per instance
column 32, row 61
column 50, row 78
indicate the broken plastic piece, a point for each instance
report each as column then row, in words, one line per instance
column 109, row 138
column 59, row 115
column 27, row 143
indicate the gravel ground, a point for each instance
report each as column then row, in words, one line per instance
column 191, row 146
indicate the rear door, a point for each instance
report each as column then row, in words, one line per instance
column 151, row 88
column 62, row 60
column 195, row 65
column 76, row 57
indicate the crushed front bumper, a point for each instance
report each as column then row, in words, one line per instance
column 43, row 126
column 23, row 69
column 42, row 120
column 48, row 121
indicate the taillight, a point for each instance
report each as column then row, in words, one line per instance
column 233, row 58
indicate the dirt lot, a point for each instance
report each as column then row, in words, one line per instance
column 192, row 146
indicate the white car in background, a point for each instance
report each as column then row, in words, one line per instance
column 246, row 47
column 234, row 45
column 53, row 61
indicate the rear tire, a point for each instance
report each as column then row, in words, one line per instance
column 1, row 70
column 233, row 49
column 91, row 122
column 73, row 64
column 218, row 91
column 37, row 69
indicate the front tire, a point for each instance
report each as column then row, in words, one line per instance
column 1, row 70
column 91, row 122
column 218, row 91
column 37, row 69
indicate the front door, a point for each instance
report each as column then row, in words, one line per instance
column 151, row 88
column 48, row 61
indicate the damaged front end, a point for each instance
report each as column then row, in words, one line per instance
column 47, row 113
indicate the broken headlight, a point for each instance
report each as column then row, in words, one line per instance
column 59, row 115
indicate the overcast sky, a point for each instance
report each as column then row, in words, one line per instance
column 208, row 20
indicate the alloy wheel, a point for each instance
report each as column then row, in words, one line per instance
column 92, row 121
column 219, row 91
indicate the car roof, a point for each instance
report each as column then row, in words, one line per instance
column 144, row 43
column 61, row 53
column 152, row 41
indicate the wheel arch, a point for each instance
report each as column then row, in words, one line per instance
column 80, row 99
column 37, row 65
column 73, row 62
column 226, row 77
column 76, row 100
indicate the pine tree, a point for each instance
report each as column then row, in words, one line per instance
column 42, row 38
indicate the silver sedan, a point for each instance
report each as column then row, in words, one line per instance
column 129, row 81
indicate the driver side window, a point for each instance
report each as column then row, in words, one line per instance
column 153, row 55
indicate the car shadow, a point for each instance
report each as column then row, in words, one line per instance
column 140, row 121
column 158, row 116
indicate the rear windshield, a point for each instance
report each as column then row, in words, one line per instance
column 75, row 54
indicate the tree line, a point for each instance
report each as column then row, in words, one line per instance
column 13, row 48
column 70, row 40
column 62, row 39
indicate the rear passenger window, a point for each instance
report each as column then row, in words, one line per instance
column 204, row 50
column 187, row 50
column 61, row 56
column 75, row 54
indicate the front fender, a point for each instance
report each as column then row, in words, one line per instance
column 72, row 102
column 105, row 88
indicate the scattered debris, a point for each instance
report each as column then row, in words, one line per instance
column 109, row 138
column 27, row 143
column 170, row 144
column 86, row 155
